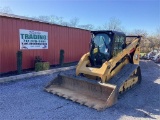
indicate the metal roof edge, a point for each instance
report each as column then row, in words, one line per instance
column 34, row 20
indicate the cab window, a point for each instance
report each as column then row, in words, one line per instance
column 118, row 44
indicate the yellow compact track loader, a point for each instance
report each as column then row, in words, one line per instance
column 109, row 69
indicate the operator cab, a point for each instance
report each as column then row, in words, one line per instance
column 105, row 45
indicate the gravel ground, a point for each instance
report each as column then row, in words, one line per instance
column 26, row 99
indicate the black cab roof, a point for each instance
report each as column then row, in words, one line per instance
column 108, row 32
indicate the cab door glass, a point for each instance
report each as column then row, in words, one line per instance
column 118, row 44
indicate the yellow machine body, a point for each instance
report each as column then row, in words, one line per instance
column 105, row 71
column 100, row 88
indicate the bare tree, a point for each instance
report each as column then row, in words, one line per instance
column 155, row 39
column 87, row 26
column 6, row 9
column 140, row 32
column 52, row 19
column 65, row 24
column 43, row 18
column 99, row 28
column 158, row 32
column 152, row 43
column 148, row 42
column 59, row 20
column 145, row 43
column 113, row 24
column 74, row 22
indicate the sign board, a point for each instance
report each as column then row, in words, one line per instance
column 31, row 39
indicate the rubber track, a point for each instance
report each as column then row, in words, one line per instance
column 123, row 75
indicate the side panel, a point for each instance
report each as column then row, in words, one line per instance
column 74, row 42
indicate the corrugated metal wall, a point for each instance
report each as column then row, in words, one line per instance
column 75, row 43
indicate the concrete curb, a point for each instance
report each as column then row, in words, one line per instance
column 34, row 74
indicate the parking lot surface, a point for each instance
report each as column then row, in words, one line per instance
column 26, row 99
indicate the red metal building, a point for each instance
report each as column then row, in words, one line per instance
column 73, row 41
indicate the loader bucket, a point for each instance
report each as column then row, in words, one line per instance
column 84, row 91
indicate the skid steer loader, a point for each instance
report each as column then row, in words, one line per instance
column 108, row 70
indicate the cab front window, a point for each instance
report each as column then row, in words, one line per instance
column 102, row 41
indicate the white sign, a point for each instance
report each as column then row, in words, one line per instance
column 31, row 39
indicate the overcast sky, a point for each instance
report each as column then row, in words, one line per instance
column 133, row 14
